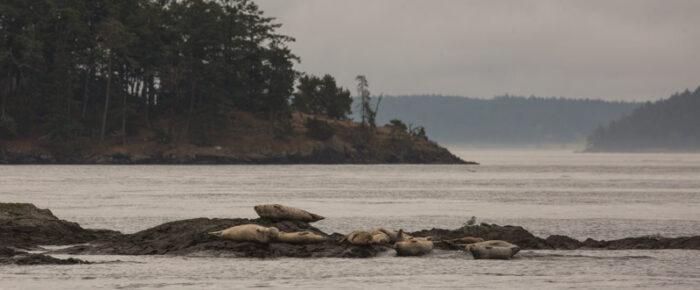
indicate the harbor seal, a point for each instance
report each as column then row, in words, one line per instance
column 391, row 236
column 413, row 247
column 304, row 237
column 359, row 238
column 379, row 236
column 249, row 233
column 493, row 250
column 283, row 212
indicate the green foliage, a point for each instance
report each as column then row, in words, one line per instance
column 8, row 127
column 319, row 129
column 397, row 125
column 322, row 96
column 205, row 125
column 162, row 136
column 173, row 60
column 418, row 132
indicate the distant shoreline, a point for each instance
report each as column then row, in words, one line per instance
column 248, row 141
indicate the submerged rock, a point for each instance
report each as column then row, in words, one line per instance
column 14, row 257
column 646, row 243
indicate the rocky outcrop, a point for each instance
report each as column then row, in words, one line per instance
column 25, row 226
column 190, row 237
column 526, row 240
column 317, row 156
column 512, row 234
column 646, row 243
column 386, row 149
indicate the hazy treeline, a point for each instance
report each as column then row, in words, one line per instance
column 672, row 124
column 502, row 120
column 80, row 69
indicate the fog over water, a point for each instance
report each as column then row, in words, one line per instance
column 603, row 196
column 615, row 50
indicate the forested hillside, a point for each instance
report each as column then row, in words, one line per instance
column 672, row 124
column 87, row 70
column 505, row 120
column 190, row 81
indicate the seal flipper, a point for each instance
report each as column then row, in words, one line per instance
column 217, row 233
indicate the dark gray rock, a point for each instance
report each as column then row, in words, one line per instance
column 25, row 226
column 190, row 237
column 511, row 234
column 14, row 257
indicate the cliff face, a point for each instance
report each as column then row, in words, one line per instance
column 247, row 140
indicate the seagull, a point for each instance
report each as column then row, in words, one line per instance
column 471, row 221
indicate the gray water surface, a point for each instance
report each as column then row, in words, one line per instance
column 603, row 196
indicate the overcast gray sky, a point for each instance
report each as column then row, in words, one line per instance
column 616, row 50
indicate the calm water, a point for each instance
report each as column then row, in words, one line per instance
column 603, row 196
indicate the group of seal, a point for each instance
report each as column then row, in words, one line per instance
column 404, row 244
column 266, row 235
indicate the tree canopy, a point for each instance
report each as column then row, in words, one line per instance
column 84, row 68
column 322, row 96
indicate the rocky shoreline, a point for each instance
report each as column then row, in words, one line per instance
column 23, row 226
column 321, row 153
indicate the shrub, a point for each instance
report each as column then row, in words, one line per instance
column 8, row 127
column 162, row 136
column 397, row 125
column 319, row 129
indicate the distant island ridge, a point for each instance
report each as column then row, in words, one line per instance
column 504, row 122
column 668, row 125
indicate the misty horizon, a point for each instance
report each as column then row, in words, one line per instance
column 610, row 50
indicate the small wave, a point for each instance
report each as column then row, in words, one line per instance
column 533, row 255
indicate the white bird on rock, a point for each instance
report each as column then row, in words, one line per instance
column 471, row 221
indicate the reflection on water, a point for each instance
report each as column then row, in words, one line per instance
column 603, row 196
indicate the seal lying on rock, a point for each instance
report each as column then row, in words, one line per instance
column 305, row 237
column 379, row 236
column 493, row 250
column 280, row 212
column 249, row 233
column 384, row 236
column 359, row 238
column 413, row 247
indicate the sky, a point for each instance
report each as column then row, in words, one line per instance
column 634, row 50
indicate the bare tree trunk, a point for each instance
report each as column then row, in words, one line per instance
column 189, row 112
column 3, row 104
column 104, row 114
column 88, row 73
column 145, row 94
column 6, row 91
column 124, row 119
